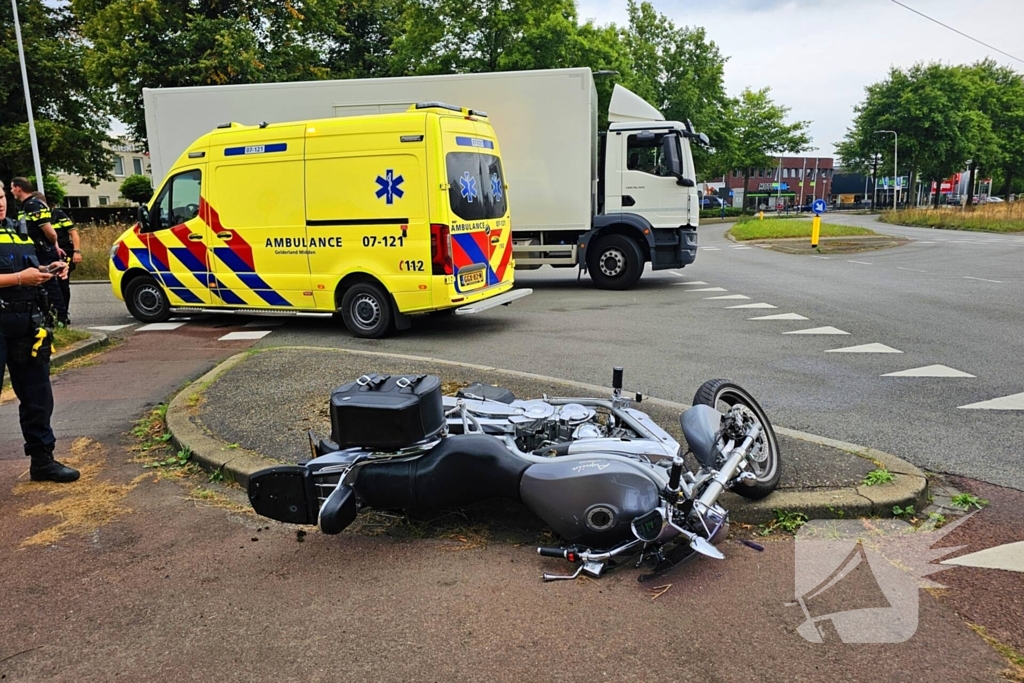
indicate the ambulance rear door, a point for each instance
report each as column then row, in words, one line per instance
column 257, row 217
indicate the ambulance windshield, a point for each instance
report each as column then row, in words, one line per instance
column 477, row 185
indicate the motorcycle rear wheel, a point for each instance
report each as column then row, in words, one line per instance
column 722, row 394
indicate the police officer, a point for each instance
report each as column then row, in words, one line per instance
column 25, row 345
column 35, row 217
column 67, row 240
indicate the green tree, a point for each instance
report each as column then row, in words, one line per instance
column 998, row 133
column 165, row 43
column 760, row 132
column 70, row 121
column 52, row 188
column 137, row 188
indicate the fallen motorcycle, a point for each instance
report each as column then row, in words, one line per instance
column 602, row 474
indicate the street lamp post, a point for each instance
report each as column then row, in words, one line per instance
column 895, row 166
column 28, row 101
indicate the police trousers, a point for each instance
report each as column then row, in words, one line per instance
column 30, row 381
column 47, row 254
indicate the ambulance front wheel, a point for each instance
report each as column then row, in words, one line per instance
column 366, row 310
column 146, row 300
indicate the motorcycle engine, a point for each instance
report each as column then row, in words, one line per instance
column 542, row 424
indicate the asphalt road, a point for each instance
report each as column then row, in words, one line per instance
column 948, row 298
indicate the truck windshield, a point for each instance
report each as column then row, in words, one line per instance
column 476, row 185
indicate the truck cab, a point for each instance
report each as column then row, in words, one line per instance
column 648, row 203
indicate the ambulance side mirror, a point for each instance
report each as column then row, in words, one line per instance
column 143, row 217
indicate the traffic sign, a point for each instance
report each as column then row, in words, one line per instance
column 818, row 206
column 885, row 182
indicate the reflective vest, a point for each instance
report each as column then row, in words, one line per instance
column 17, row 252
column 63, row 224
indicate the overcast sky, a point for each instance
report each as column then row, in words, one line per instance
column 817, row 55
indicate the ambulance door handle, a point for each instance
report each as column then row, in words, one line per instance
column 226, row 235
column 194, row 237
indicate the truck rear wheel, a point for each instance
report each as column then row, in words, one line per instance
column 615, row 262
column 366, row 310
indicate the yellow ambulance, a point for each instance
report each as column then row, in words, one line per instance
column 374, row 217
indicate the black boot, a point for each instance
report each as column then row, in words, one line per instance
column 45, row 468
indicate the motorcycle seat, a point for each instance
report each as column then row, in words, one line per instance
column 461, row 470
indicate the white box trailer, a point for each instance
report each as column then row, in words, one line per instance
column 571, row 193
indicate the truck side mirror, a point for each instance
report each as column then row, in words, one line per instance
column 685, row 182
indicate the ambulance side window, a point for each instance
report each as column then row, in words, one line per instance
column 178, row 202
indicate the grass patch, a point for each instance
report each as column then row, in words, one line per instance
column 966, row 501
column 64, row 337
column 781, row 228
column 788, row 522
column 1016, row 670
column 986, row 218
column 878, row 476
column 95, row 242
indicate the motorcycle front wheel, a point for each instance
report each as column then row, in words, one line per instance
column 764, row 461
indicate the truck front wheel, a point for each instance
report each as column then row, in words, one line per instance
column 615, row 262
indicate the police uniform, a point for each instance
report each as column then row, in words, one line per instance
column 26, row 339
column 63, row 224
column 33, row 215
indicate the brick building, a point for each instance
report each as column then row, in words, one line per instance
column 803, row 180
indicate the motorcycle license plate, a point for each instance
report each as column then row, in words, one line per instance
column 471, row 279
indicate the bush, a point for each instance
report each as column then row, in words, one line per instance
column 96, row 241
column 137, row 188
column 1008, row 217
column 730, row 212
column 52, row 188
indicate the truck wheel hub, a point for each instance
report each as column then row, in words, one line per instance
column 613, row 262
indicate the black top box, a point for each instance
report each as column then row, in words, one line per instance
column 387, row 412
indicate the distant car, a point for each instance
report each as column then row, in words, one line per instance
column 712, row 202
column 994, row 200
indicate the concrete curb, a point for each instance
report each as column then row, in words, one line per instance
column 90, row 282
column 909, row 488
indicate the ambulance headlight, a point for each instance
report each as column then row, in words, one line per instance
column 113, row 249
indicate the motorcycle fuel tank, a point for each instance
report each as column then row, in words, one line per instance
column 589, row 502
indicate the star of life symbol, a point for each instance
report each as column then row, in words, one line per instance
column 496, row 189
column 468, row 184
column 860, row 579
column 389, row 186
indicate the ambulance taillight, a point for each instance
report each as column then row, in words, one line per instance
column 441, row 250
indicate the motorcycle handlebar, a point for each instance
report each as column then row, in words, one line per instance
column 553, row 552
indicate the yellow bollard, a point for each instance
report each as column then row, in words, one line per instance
column 815, row 231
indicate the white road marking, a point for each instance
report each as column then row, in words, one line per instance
column 241, row 336
column 726, row 296
column 1012, row 402
column 780, row 316
column 827, row 258
column 981, row 279
column 742, row 247
column 863, row 263
column 818, row 330
column 178, row 319
column 913, row 269
column 753, row 306
column 765, row 246
column 705, row 289
column 1009, row 557
column 159, row 327
column 924, row 242
column 109, row 328
column 929, row 371
column 874, row 347
column 676, row 274
column 710, row 248
column 941, row 239
column 264, row 323
column 692, row 282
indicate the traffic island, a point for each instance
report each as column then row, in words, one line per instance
column 851, row 244
column 255, row 409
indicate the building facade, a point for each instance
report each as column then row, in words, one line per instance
column 130, row 159
column 790, row 181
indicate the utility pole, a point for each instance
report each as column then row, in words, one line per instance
column 28, row 101
column 778, row 195
column 803, row 174
column 874, row 179
column 895, row 166
column 814, row 194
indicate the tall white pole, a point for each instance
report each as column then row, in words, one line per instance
column 895, row 169
column 803, row 174
column 778, row 195
column 28, row 100
column 814, row 194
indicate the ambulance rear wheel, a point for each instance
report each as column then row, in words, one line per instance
column 146, row 300
column 366, row 310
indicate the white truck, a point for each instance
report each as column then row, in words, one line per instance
column 606, row 202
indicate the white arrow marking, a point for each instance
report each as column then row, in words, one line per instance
column 727, row 296
column 780, row 316
column 247, row 335
column 1013, row 402
column 818, row 330
column 866, row 348
column 707, row 289
column 159, row 327
column 1009, row 557
column 753, row 306
column 109, row 328
column 929, row 371
column 694, row 282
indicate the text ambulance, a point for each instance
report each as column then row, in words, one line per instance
column 376, row 217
